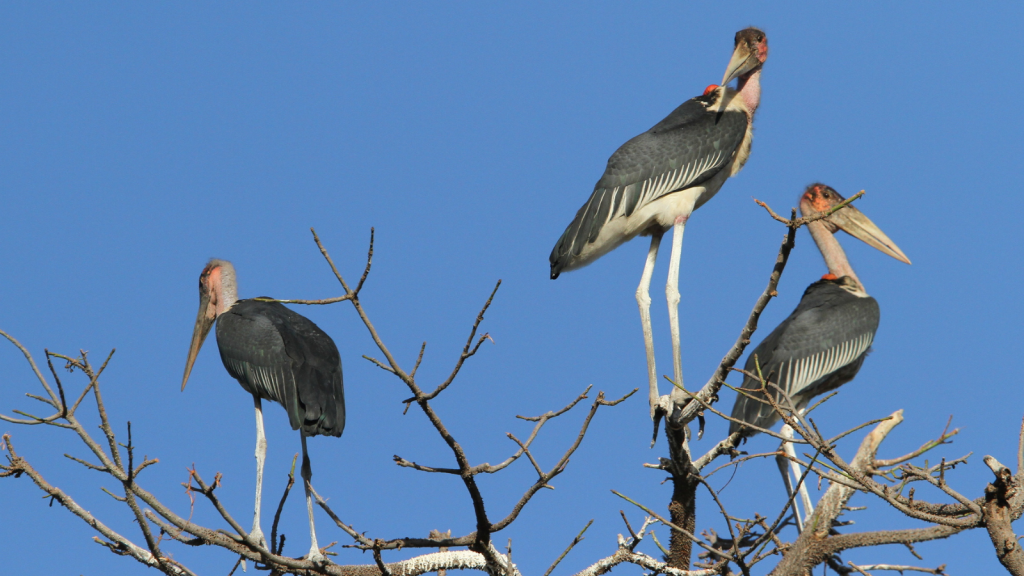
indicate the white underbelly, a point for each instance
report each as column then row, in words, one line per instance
column 658, row 215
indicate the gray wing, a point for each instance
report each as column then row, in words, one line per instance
column 685, row 149
column 282, row 356
column 818, row 348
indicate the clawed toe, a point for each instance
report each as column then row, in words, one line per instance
column 316, row 557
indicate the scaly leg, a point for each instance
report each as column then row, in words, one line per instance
column 805, row 497
column 261, row 457
column 643, row 299
column 784, row 470
column 307, row 473
column 672, row 296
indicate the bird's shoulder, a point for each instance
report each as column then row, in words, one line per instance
column 693, row 110
column 246, row 332
column 302, row 338
column 277, row 328
column 687, row 135
column 827, row 316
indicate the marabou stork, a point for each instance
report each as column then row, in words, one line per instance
column 275, row 354
column 823, row 343
column 656, row 180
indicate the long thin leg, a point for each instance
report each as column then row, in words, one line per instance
column 261, row 457
column 672, row 296
column 784, row 470
column 307, row 473
column 643, row 299
column 805, row 497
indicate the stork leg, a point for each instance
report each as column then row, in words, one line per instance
column 672, row 296
column 261, row 456
column 643, row 299
column 805, row 497
column 784, row 470
column 307, row 473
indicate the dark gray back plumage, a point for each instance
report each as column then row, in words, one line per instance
column 818, row 348
column 280, row 355
column 687, row 148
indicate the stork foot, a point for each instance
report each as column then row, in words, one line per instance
column 256, row 537
column 666, row 405
column 316, row 556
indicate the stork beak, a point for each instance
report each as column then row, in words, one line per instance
column 856, row 224
column 204, row 321
column 743, row 61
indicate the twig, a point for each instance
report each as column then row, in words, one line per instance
column 946, row 435
column 307, row 302
column 467, row 352
column 380, row 562
column 1020, row 449
column 275, row 547
column 559, row 466
column 898, row 568
column 795, row 223
column 88, row 465
column 419, row 359
column 524, row 446
column 207, row 491
column 625, row 556
column 32, row 363
column 682, row 531
column 579, row 538
column 632, row 534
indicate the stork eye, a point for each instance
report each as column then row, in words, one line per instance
column 759, row 38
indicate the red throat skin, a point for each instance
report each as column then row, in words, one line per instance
column 750, row 90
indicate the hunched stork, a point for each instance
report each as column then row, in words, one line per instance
column 823, row 343
column 275, row 354
column 656, row 180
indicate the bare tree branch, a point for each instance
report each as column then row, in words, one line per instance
column 999, row 515
column 575, row 541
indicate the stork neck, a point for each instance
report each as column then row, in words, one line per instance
column 226, row 300
column 750, row 90
column 832, row 252
column 227, row 290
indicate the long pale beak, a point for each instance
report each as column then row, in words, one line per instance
column 856, row 224
column 742, row 61
column 203, row 323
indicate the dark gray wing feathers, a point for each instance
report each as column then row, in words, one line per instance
column 818, row 348
column 685, row 149
column 282, row 356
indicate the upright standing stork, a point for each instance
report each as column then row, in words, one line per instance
column 275, row 354
column 823, row 343
column 656, row 180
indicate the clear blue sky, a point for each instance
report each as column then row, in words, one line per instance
column 139, row 140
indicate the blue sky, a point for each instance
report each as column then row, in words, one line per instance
column 139, row 140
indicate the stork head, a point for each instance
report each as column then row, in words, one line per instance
column 819, row 198
column 217, row 293
column 749, row 54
